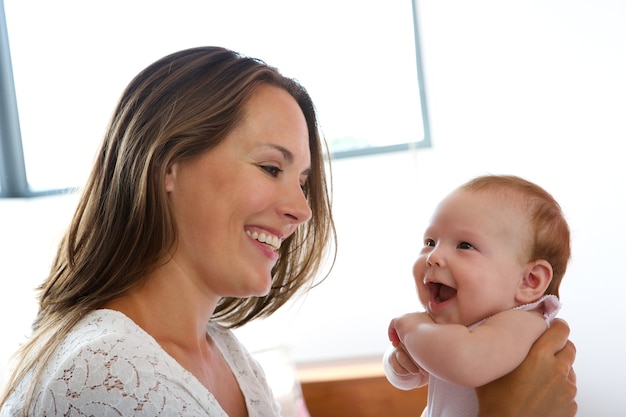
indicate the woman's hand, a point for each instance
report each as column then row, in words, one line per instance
column 543, row 385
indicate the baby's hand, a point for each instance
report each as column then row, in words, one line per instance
column 393, row 336
column 402, row 364
column 401, row 371
column 403, row 325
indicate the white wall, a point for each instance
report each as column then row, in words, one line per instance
column 534, row 88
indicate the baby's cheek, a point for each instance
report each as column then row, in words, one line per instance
column 422, row 294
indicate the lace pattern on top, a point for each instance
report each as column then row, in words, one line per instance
column 109, row 366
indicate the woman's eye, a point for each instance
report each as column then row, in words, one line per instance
column 271, row 169
column 465, row 245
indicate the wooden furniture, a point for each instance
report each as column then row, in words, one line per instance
column 356, row 388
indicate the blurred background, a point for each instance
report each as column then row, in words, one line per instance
column 533, row 88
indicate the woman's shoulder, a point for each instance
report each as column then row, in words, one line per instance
column 100, row 344
column 108, row 364
column 101, row 335
column 104, row 327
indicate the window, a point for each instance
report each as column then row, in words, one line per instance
column 70, row 60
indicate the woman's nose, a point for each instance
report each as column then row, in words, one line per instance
column 296, row 206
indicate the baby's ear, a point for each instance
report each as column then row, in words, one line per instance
column 537, row 277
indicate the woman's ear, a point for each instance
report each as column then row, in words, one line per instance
column 537, row 277
column 170, row 177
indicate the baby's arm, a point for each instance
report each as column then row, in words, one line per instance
column 552, row 388
column 466, row 357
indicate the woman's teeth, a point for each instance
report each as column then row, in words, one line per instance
column 268, row 239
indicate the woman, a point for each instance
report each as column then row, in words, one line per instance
column 207, row 207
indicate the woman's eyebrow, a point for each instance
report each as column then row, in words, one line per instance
column 286, row 154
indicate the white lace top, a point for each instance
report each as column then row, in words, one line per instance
column 109, row 366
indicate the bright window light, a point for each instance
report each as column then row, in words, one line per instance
column 72, row 59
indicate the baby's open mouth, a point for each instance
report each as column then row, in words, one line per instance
column 440, row 292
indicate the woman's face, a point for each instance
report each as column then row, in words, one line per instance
column 235, row 204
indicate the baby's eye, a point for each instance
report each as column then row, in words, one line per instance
column 429, row 242
column 272, row 170
column 465, row 245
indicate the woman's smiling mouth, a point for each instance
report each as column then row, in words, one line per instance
column 270, row 240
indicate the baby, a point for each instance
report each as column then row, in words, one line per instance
column 488, row 275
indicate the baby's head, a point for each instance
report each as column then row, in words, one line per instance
column 494, row 243
column 549, row 231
